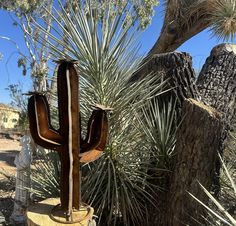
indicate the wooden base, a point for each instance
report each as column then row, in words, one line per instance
column 46, row 213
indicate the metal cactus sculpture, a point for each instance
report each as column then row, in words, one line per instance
column 67, row 140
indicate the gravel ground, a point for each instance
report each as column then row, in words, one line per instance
column 7, row 190
column 8, row 150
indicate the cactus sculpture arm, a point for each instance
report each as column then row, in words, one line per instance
column 40, row 126
column 66, row 140
column 96, row 138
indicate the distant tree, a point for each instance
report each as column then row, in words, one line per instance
column 24, row 14
column 142, row 13
column 19, row 101
column 28, row 11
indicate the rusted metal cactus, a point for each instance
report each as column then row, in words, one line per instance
column 67, row 140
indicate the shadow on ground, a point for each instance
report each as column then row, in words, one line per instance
column 8, row 157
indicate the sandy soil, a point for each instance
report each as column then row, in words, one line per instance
column 8, row 150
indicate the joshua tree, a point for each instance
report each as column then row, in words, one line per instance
column 36, row 59
column 186, row 18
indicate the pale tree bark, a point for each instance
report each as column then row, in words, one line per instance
column 22, row 193
column 36, row 44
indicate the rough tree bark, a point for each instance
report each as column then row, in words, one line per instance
column 195, row 153
column 217, row 86
column 217, row 81
column 176, row 68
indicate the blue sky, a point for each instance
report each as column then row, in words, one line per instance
column 199, row 48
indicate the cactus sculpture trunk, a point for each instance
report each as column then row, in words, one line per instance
column 67, row 141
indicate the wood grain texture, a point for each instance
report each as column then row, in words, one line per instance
column 196, row 153
column 39, row 214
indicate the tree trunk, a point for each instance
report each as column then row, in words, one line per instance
column 195, row 153
column 217, row 86
column 217, row 81
column 201, row 128
column 176, row 68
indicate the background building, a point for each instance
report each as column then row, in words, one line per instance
column 9, row 117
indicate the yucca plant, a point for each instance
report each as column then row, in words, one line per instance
column 218, row 214
column 223, row 19
column 159, row 124
column 103, row 40
column 45, row 175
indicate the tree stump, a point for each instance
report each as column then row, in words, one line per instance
column 216, row 82
column 217, row 86
column 176, row 68
column 198, row 140
column 39, row 215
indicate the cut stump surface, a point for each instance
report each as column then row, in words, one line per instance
column 40, row 214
